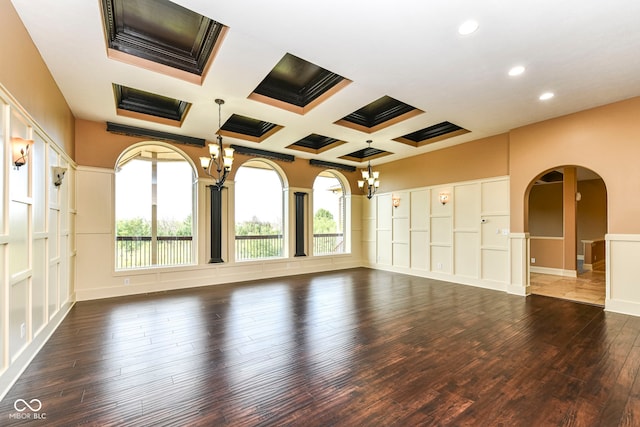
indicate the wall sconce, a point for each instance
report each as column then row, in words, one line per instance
column 396, row 201
column 443, row 197
column 57, row 175
column 20, row 151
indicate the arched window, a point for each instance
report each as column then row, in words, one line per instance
column 154, row 207
column 259, row 211
column 329, row 215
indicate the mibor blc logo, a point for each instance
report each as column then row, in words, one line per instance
column 28, row 410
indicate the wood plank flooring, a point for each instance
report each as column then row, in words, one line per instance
column 357, row 347
column 588, row 287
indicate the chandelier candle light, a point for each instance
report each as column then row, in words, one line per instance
column 222, row 166
column 370, row 179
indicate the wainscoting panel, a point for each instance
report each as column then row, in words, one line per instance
column 623, row 291
column 420, row 250
column 457, row 232
column 466, row 257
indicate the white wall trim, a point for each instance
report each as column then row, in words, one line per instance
column 13, row 372
column 553, row 271
column 184, row 277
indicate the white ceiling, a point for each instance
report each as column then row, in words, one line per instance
column 586, row 51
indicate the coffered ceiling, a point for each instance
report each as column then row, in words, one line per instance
column 317, row 79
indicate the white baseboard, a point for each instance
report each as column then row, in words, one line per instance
column 553, row 271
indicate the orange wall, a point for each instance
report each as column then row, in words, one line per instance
column 547, row 252
column 604, row 139
column 482, row 158
column 545, row 210
column 24, row 74
column 592, row 210
column 99, row 148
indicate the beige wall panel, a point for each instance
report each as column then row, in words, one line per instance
column 383, row 211
column 495, row 265
column 405, row 204
column 441, row 231
column 384, row 250
column 547, row 252
column 19, row 310
column 420, row 210
column 480, row 159
column 466, row 253
column 495, row 231
column 441, row 259
column 420, row 250
column 369, row 229
column 495, row 197
column 401, row 255
column 369, row 252
column 401, row 230
column 437, row 208
column 623, row 267
column 95, row 201
column 94, row 261
column 466, row 201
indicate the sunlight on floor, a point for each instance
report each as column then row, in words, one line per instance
column 588, row 287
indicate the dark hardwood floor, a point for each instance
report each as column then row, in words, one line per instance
column 347, row 348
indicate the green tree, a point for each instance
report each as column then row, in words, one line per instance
column 255, row 227
column 323, row 222
column 133, row 227
column 260, row 247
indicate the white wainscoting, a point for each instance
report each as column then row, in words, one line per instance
column 465, row 240
column 623, row 282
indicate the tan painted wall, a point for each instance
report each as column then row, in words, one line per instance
column 24, row 74
column 604, row 139
column 547, row 252
column 98, row 148
column 482, row 158
column 545, row 210
column 592, row 210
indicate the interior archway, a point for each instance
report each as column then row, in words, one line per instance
column 567, row 223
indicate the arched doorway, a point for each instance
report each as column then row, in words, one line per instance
column 567, row 222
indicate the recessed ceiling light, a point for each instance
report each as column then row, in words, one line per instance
column 546, row 95
column 516, row 71
column 468, row 27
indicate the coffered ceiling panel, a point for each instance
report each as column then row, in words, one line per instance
column 316, row 80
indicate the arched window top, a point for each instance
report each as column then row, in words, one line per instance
column 264, row 164
column 149, row 149
column 334, row 178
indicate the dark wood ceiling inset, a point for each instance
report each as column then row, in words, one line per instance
column 249, row 129
column 431, row 134
column 161, row 36
column 379, row 114
column 297, row 85
column 315, row 143
column 368, row 153
column 148, row 106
